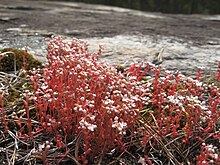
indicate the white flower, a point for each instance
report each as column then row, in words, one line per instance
column 203, row 107
column 44, row 86
column 41, row 147
column 135, row 98
column 125, row 99
column 116, row 92
column 215, row 156
column 82, row 98
column 132, row 78
column 92, row 117
column 78, row 67
column 82, row 110
column 47, row 95
column 173, row 99
column 181, row 97
column 142, row 161
column 203, row 119
column 91, row 106
column 91, row 127
column 109, row 102
column 55, row 93
column 85, row 124
column 119, row 125
column 198, row 83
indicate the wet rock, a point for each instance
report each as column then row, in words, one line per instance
column 20, row 7
column 189, row 41
column 75, row 32
column 23, row 30
column 23, row 26
column 125, row 49
column 7, row 19
column 213, row 42
column 14, row 30
column 213, row 18
column 32, row 32
column 3, row 41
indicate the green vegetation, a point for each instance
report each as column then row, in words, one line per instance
column 14, row 59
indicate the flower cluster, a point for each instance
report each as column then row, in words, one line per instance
column 76, row 94
column 209, row 155
column 180, row 108
column 154, row 115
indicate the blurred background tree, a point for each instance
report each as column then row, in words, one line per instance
column 165, row 6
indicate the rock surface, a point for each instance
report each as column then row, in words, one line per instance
column 188, row 41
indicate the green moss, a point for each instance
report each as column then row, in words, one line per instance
column 9, row 55
column 120, row 68
column 211, row 80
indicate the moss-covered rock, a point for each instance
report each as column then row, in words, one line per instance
column 8, row 56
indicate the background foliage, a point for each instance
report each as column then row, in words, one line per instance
column 166, row 6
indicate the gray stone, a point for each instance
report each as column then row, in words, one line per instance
column 188, row 41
